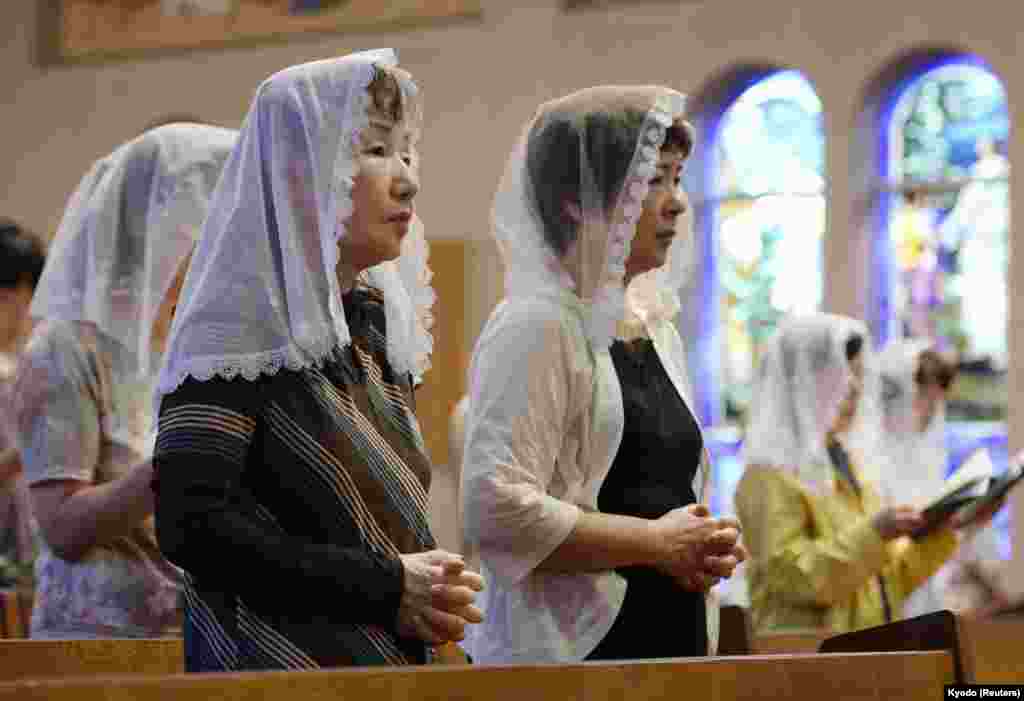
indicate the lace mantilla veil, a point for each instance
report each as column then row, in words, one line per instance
column 126, row 230
column 262, row 293
column 800, row 385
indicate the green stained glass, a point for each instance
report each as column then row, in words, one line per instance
column 950, row 226
column 770, row 214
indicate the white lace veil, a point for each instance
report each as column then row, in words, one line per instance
column 911, row 464
column 799, row 387
column 126, row 230
column 576, row 180
column 262, row 292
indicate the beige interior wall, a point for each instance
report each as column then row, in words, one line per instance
column 482, row 80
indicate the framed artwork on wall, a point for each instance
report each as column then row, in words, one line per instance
column 571, row 5
column 100, row 29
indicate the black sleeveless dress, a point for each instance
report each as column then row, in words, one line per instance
column 652, row 474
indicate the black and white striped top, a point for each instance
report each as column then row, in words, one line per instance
column 287, row 501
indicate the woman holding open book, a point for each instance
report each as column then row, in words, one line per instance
column 824, row 551
column 911, row 458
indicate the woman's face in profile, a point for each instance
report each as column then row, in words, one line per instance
column 14, row 317
column 656, row 228
column 851, row 400
column 385, row 187
column 927, row 401
column 168, row 306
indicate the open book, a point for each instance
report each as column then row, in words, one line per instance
column 972, row 488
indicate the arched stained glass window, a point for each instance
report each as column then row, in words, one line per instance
column 949, row 224
column 761, row 212
column 769, row 196
column 941, row 268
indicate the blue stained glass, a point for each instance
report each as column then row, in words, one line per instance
column 949, row 231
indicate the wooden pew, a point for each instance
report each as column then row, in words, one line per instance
column 788, row 643
column 992, row 650
column 15, row 612
column 47, row 659
column 915, row 676
column 933, row 631
column 736, row 636
column 984, row 651
column 735, row 631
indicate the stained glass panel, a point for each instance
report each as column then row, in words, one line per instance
column 770, row 215
column 950, row 227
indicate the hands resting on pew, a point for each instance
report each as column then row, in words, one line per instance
column 701, row 550
column 438, row 598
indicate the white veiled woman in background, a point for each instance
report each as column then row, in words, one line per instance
column 83, row 394
column 910, row 457
column 545, row 416
column 825, row 553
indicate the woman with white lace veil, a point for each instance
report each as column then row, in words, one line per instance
column 84, row 386
column 545, row 412
column 291, row 474
column 910, row 456
column 824, row 551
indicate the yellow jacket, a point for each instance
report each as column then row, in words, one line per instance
column 816, row 557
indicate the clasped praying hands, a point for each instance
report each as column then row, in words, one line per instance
column 438, row 598
column 700, row 549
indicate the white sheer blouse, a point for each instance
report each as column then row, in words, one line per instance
column 543, row 426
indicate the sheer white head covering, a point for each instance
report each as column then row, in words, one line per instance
column 262, row 291
column 126, row 231
column 911, row 464
column 801, row 382
column 596, row 150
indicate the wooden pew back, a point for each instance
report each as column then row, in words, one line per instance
column 933, row 631
column 48, row 659
column 916, row 676
column 991, row 650
column 15, row 612
column 788, row 643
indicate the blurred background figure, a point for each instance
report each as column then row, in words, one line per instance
column 826, row 553
column 22, row 256
column 82, row 399
column 910, row 458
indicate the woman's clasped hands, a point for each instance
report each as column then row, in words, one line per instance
column 438, row 599
column 699, row 550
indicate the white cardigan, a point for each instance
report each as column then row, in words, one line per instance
column 544, row 424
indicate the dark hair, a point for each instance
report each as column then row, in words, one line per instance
column 934, row 369
column 553, row 163
column 854, row 345
column 22, row 253
column 391, row 91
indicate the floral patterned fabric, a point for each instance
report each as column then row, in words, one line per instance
column 17, row 544
column 66, row 399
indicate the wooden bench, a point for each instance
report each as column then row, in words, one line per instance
column 914, row 676
column 797, row 641
column 15, row 612
column 736, row 636
column 47, row 659
column 992, row 650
